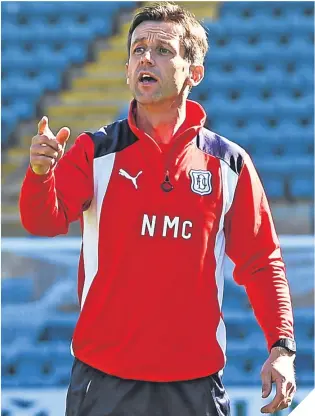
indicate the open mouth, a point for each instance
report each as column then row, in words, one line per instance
column 146, row 79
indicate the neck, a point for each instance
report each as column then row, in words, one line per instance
column 160, row 122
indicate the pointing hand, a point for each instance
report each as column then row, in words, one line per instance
column 47, row 149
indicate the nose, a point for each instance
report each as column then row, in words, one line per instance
column 147, row 58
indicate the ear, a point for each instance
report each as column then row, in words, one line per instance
column 127, row 73
column 196, row 74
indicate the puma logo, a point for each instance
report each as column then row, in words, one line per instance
column 133, row 179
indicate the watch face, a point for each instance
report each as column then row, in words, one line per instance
column 292, row 345
column 289, row 344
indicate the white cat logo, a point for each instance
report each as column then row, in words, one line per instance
column 126, row 175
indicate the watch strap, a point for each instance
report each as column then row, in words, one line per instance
column 287, row 343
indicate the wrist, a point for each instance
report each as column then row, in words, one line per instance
column 281, row 352
column 39, row 171
column 287, row 344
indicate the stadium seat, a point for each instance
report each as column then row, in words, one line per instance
column 302, row 187
column 243, row 366
column 285, row 167
column 234, row 297
column 58, row 329
column 304, row 364
column 16, row 290
column 274, row 187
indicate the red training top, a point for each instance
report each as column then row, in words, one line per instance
column 156, row 227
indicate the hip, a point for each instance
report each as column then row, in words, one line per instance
column 94, row 393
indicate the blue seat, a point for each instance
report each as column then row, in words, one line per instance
column 274, row 187
column 304, row 322
column 8, row 122
column 243, row 367
column 302, row 187
column 62, row 363
column 8, row 334
column 299, row 107
column 24, row 108
column 95, row 25
column 52, row 59
column 234, row 296
column 303, row 23
column 284, row 166
column 58, row 329
column 52, row 80
column 34, row 367
column 23, row 87
column 16, row 290
column 304, row 365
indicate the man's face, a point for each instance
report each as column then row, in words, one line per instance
column 156, row 50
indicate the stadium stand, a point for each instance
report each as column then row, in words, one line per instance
column 67, row 62
column 258, row 88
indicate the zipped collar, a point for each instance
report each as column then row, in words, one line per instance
column 195, row 120
column 165, row 164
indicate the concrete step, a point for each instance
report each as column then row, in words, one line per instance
column 99, row 82
column 82, row 110
column 111, row 96
column 79, row 124
column 115, row 54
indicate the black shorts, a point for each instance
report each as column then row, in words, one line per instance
column 94, row 393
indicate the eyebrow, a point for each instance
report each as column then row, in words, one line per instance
column 137, row 40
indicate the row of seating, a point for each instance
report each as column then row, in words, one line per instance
column 283, row 39
column 73, row 52
column 58, row 39
column 48, row 8
column 235, row 25
column 51, row 366
column 285, row 107
column 240, row 324
column 274, row 9
column 218, row 80
column 69, row 30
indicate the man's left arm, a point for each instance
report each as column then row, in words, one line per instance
column 253, row 246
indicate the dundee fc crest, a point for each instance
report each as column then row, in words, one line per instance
column 200, row 182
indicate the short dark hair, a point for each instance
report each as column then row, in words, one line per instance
column 194, row 39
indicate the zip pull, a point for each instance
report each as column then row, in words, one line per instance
column 166, row 185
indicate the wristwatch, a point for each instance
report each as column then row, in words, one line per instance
column 286, row 343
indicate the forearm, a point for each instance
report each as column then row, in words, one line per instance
column 41, row 212
column 269, row 295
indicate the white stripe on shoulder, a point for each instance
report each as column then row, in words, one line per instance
column 229, row 181
column 103, row 168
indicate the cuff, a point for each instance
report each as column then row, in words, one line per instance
column 39, row 178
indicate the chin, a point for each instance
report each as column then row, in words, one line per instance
column 148, row 100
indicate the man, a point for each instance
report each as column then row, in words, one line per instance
column 160, row 199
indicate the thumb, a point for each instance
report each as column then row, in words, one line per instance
column 266, row 385
column 42, row 125
column 63, row 135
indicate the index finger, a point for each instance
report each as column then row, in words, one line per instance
column 279, row 398
column 42, row 125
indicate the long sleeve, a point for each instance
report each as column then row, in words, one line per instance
column 253, row 246
column 49, row 203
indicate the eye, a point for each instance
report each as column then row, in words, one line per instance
column 138, row 50
column 164, row 51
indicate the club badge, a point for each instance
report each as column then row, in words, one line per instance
column 200, row 182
